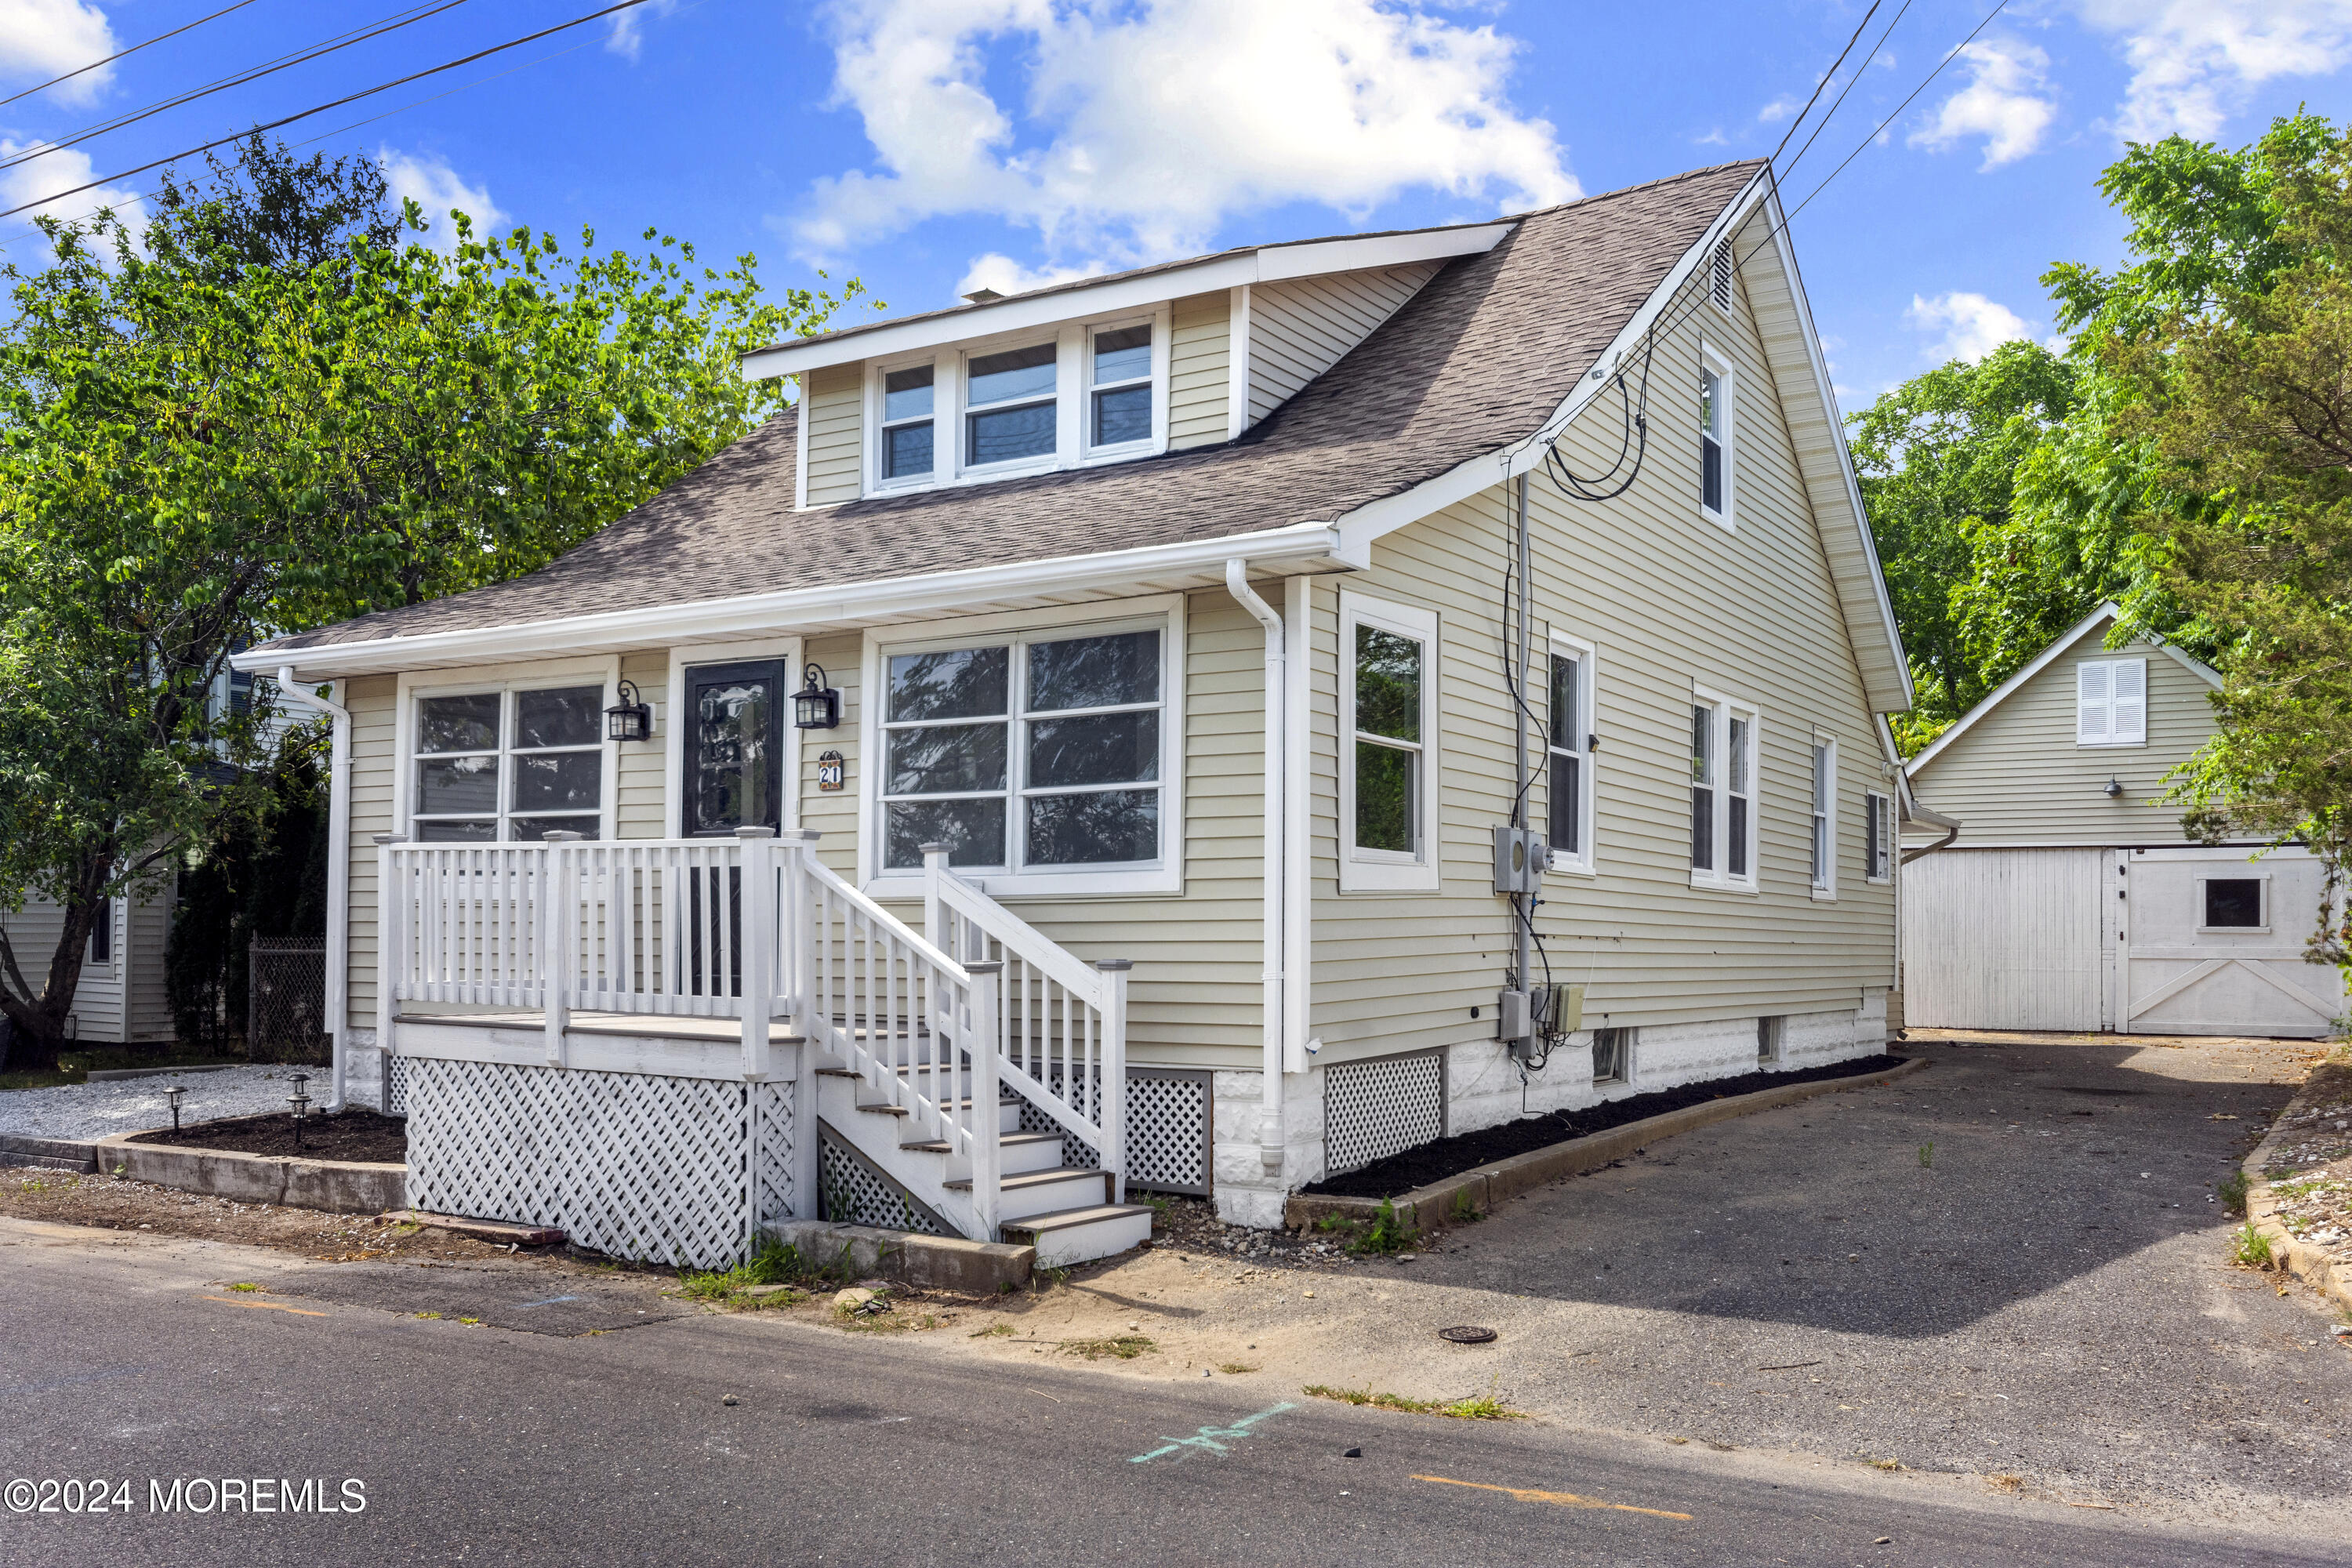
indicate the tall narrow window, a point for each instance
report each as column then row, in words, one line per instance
column 1740, row 791
column 1702, row 787
column 1388, row 726
column 907, row 443
column 1120, row 407
column 101, row 933
column 512, row 765
column 1714, row 439
column 2111, row 702
column 1010, row 397
column 1877, row 835
column 1824, row 795
column 1569, row 782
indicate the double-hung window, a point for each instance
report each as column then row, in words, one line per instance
column 907, row 444
column 514, row 764
column 1035, row 755
column 1119, row 399
column 2111, row 702
column 1825, row 855
column 1010, row 406
column 1569, row 779
column 1388, row 767
column 1724, row 743
column 1714, row 434
column 1877, row 835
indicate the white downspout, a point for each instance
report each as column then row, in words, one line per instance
column 1297, row 902
column 339, row 867
column 1270, row 1137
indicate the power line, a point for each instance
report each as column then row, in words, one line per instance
column 1851, row 83
column 1827, row 76
column 119, row 54
column 321, row 109
column 376, row 30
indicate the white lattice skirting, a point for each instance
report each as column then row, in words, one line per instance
column 1375, row 1109
column 1167, row 1129
column 670, row 1170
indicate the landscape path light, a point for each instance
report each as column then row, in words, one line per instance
column 300, row 1101
column 176, row 1093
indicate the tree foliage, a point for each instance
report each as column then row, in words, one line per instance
column 236, row 430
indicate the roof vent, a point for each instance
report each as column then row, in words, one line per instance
column 983, row 296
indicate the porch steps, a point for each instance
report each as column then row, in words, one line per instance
column 1063, row 1211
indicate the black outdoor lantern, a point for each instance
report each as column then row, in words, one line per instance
column 815, row 706
column 175, row 1094
column 300, row 1101
column 631, row 719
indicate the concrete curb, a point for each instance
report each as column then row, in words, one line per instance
column 48, row 1154
column 339, row 1186
column 1429, row 1207
column 927, row 1262
column 2304, row 1261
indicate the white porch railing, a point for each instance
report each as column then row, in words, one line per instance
column 754, row 929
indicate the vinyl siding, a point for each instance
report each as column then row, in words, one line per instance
column 1668, row 598
column 2016, row 777
column 372, row 700
column 1200, row 358
column 146, row 931
column 836, row 406
column 1300, row 327
column 639, row 808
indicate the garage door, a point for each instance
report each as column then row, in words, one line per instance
column 2211, row 943
column 2002, row 939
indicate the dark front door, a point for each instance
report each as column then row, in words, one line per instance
column 737, row 716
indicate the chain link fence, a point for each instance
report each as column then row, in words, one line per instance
column 286, row 1000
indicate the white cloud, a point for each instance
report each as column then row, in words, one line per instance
column 1972, row 326
column 431, row 183
column 626, row 35
column 2193, row 60
column 60, row 169
column 2002, row 102
column 44, row 38
column 1143, row 129
column 1006, row 275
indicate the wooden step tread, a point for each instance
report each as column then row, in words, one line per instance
column 1030, row 1178
column 886, row 1109
column 1062, row 1219
column 939, row 1145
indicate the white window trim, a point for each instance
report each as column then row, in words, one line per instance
column 1824, row 888
column 1727, row 519
column 1586, row 862
column 2235, row 876
column 1374, row 870
column 1723, row 707
column 503, row 678
column 2140, row 742
column 1879, row 808
column 684, row 656
column 1073, row 394
column 1164, row 612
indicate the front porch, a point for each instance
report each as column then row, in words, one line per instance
column 666, row 1046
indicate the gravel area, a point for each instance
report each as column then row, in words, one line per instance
column 2310, row 1171
column 82, row 1111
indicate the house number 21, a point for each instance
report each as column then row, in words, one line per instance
column 829, row 771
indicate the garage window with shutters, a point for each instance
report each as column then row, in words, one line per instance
column 2111, row 702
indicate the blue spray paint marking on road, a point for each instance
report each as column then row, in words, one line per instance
column 1212, row 1438
column 551, row 1301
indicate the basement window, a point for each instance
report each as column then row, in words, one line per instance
column 1613, row 1056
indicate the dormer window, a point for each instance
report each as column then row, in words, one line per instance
column 1120, row 410
column 1010, row 397
column 906, row 444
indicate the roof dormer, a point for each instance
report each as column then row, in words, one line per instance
column 1103, row 370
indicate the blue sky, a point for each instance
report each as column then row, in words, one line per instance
column 928, row 145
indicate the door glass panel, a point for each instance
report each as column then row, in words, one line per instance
column 733, row 781
column 962, row 683
column 1102, row 829
column 1094, row 672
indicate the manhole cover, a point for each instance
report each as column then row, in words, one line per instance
column 1468, row 1335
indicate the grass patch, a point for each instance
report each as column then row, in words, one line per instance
column 1466, row 1208
column 1928, row 1155
column 1387, row 1233
column 1126, row 1347
column 2251, row 1248
column 247, row 1288
column 2233, row 1191
column 993, row 1332
column 773, row 1264
column 1477, row 1408
column 1234, row 1368
column 1886, row 1464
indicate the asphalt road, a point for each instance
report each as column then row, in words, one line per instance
column 129, row 1359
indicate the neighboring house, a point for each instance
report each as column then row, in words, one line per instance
column 2075, row 901
column 120, row 998
column 1170, row 618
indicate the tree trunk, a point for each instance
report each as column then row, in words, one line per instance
column 39, row 1033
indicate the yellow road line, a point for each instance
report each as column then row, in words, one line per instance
column 1565, row 1500
column 233, row 1301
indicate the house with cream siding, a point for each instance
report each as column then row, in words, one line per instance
column 1201, row 729
column 2074, row 899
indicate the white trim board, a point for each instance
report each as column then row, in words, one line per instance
column 2041, row 661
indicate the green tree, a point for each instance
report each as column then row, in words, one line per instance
column 200, row 448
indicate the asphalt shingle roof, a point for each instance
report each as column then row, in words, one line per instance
column 1479, row 357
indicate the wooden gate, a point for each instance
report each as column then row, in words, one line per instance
column 2002, row 939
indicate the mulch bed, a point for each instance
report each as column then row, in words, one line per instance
column 1400, row 1174
column 352, row 1134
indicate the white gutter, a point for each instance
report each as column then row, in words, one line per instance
column 339, row 867
column 1118, row 571
column 1278, row 749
